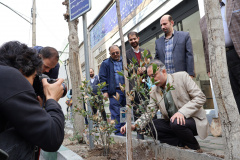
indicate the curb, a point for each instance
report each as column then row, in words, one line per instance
column 62, row 154
column 164, row 151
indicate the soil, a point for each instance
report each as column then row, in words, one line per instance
column 117, row 151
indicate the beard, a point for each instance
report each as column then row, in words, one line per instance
column 91, row 75
column 134, row 45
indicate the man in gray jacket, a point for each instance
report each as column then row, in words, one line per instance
column 174, row 49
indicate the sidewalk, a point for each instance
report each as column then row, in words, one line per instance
column 212, row 145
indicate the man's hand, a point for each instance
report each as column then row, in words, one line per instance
column 191, row 77
column 123, row 129
column 53, row 91
column 141, row 70
column 180, row 118
column 105, row 95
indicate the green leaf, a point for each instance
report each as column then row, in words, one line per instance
column 145, row 52
column 154, row 67
column 120, row 73
column 134, row 60
column 148, row 56
column 152, row 80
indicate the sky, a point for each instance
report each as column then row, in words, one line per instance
column 51, row 28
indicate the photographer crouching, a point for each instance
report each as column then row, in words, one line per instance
column 23, row 122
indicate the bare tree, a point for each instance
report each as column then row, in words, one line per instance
column 228, row 110
column 74, row 68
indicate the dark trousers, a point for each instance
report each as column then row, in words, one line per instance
column 233, row 62
column 86, row 120
column 16, row 147
column 115, row 110
column 103, row 113
column 174, row 134
column 137, row 112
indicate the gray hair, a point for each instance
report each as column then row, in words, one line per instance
column 159, row 64
column 112, row 46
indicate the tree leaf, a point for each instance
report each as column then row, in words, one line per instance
column 154, row 67
column 120, row 73
column 145, row 52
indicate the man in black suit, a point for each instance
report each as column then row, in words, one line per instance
column 137, row 53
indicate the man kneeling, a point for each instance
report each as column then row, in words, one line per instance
column 182, row 109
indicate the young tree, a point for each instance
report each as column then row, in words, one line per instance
column 74, row 68
column 129, row 132
column 228, row 110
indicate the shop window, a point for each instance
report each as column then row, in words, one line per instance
column 100, row 58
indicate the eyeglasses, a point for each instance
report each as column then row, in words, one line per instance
column 113, row 53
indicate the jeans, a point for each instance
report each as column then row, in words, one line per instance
column 15, row 146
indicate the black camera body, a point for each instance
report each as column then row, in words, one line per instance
column 38, row 86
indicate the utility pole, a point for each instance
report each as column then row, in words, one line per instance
column 34, row 23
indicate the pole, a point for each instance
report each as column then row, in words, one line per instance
column 34, row 23
column 90, row 123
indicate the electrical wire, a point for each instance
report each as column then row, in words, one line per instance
column 16, row 12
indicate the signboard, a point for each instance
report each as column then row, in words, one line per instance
column 78, row 8
column 109, row 20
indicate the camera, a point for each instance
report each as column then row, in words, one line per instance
column 38, row 86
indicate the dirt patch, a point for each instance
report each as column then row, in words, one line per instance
column 117, row 151
column 80, row 149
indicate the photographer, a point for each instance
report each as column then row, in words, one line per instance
column 50, row 59
column 23, row 122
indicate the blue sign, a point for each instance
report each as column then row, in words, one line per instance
column 109, row 20
column 78, row 8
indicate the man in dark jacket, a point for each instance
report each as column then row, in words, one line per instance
column 23, row 122
column 50, row 66
column 50, row 59
column 137, row 53
column 108, row 73
column 94, row 81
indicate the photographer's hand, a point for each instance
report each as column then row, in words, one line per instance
column 53, row 91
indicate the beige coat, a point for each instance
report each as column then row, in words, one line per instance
column 188, row 99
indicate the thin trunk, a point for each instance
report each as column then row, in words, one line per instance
column 129, row 113
column 228, row 110
column 74, row 69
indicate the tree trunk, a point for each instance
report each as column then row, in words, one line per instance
column 228, row 110
column 74, row 69
column 129, row 112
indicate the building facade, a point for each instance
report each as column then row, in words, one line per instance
column 143, row 16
